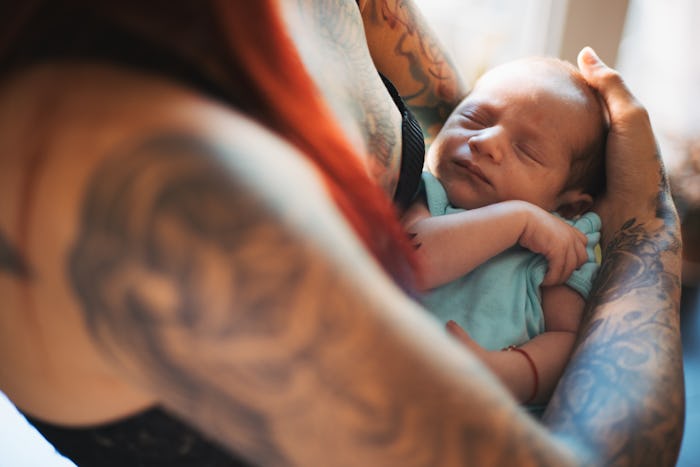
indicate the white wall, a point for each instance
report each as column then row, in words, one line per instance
column 483, row 33
column 660, row 61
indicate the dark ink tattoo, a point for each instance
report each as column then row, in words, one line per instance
column 632, row 255
column 12, row 261
column 159, row 227
column 605, row 386
column 426, row 62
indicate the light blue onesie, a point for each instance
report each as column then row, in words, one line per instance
column 499, row 303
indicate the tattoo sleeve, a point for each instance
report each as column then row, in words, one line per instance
column 408, row 52
column 623, row 394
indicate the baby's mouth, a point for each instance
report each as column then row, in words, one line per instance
column 473, row 169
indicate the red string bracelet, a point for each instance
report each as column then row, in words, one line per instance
column 536, row 384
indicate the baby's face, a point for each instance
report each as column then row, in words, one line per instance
column 512, row 137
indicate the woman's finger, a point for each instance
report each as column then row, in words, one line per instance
column 606, row 81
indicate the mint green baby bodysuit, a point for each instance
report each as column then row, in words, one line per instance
column 499, row 302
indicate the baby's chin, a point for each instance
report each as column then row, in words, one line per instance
column 460, row 194
column 467, row 203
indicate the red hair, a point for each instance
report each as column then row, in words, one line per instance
column 259, row 40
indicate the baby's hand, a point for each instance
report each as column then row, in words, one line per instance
column 564, row 246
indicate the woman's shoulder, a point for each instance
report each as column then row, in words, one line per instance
column 87, row 139
column 100, row 108
column 100, row 93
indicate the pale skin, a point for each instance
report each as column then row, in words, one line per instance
column 492, row 161
column 308, row 354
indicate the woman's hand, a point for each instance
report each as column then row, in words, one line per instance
column 634, row 168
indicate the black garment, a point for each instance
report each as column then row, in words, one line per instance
column 150, row 439
column 412, row 151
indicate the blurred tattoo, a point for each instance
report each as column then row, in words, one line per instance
column 340, row 24
column 161, row 257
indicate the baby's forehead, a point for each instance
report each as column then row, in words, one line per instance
column 535, row 72
column 532, row 81
column 547, row 91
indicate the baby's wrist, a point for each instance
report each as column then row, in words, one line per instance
column 528, row 215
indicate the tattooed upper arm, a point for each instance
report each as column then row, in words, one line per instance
column 406, row 50
column 191, row 280
column 177, row 277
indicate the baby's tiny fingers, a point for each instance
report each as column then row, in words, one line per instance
column 554, row 273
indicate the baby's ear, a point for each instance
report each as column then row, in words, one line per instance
column 573, row 203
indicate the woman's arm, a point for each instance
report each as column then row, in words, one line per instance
column 406, row 50
column 626, row 375
column 452, row 245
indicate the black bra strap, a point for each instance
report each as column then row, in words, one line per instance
column 412, row 151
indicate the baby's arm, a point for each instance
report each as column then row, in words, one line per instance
column 452, row 245
column 549, row 352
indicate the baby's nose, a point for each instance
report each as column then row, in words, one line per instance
column 489, row 142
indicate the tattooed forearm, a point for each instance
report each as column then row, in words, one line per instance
column 11, row 260
column 633, row 262
column 623, row 390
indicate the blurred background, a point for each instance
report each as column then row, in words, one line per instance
column 652, row 42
